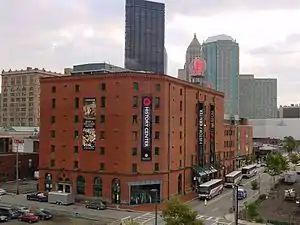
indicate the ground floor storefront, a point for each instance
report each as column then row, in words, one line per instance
column 131, row 189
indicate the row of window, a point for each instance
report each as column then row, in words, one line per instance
column 228, row 132
column 228, row 143
column 102, row 166
column 102, row 87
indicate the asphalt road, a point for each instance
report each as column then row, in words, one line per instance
column 105, row 215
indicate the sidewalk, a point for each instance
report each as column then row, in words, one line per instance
column 231, row 218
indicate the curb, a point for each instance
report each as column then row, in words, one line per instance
column 230, row 217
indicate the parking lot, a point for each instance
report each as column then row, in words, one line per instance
column 61, row 220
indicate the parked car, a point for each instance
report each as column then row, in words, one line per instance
column 22, row 210
column 7, row 211
column 37, row 196
column 29, row 217
column 2, row 192
column 96, row 204
column 15, row 213
column 43, row 214
column 4, row 218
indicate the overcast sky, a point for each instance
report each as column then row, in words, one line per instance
column 60, row 33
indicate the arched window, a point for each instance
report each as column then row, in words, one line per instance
column 48, row 182
column 97, row 187
column 80, row 185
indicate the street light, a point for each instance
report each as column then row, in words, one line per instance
column 17, row 142
column 156, row 200
column 236, row 203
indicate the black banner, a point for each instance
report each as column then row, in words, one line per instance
column 146, row 134
column 201, row 114
column 89, row 121
column 212, row 134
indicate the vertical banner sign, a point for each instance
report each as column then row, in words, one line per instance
column 89, row 124
column 201, row 133
column 212, row 133
column 146, row 129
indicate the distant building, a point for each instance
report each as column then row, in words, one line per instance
column 292, row 111
column 257, row 97
column 96, row 68
column 145, row 36
column 20, row 98
column 221, row 54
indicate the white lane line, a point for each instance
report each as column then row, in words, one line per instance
column 209, row 218
column 215, row 209
column 200, row 216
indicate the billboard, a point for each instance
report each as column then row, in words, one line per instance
column 201, row 115
column 146, row 128
column 197, row 67
column 89, row 124
column 212, row 133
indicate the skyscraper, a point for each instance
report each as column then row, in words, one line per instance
column 145, row 36
column 257, row 97
column 221, row 54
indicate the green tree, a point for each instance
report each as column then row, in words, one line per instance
column 294, row 158
column 254, row 185
column 276, row 164
column 251, row 210
column 289, row 143
column 178, row 213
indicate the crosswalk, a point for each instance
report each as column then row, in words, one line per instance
column 147, row 217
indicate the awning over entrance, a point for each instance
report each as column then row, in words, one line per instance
column 206, row 170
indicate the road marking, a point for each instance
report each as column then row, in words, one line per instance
column 215, row 209
column 209, row 218
column 200, row 217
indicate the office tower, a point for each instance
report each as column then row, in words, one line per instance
column 192, row 52
column 165, row 61
column 221, row 54
column 289, row 111
column 257, row 97
column 145, row 36
column 20, row 99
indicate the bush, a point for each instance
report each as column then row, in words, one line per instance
column 254, row 185
column 262, row 197
column 259, row 219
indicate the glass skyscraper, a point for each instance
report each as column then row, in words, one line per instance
column 221, row 54
column 145, row 36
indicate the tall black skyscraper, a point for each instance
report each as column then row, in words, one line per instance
column 145, row 36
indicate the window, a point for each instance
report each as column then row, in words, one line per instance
column 75, row 165
column 103, row 87
column 134, row 135
column 135, row 86
column 53, row 133
column 180, row 91
column 53, row 103
column 76, row 103
column 76, row 134
column 156, row 167
column 102, row 151
column 102, row 119
column 180, row 106
column 156, row 151
column 52, row 163
column 156, row 136
column 97, row 192
column 80, row 185
column 134, row 119
column 157, row 102
column 103, row 102
column 157, row 119
column 77, row 88
column 52, row 119
column 134, row 151
column 157, row 87
column 180, row 163
column 102, row 135
column 52, row 148
column 75, row 149
column 135, row 101
column 76, row 119
column 53, row 89
column 180, row 121
column 180, row 135
column 102, row 166
column 134, row 168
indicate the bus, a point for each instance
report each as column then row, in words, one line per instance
column 249, row 171
column 210, row 189
column 233, row 178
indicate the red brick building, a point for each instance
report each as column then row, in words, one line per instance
column 124, row 136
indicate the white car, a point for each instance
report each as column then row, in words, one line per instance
column 2, row 192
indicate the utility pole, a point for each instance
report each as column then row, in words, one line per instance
column 17, row 142
column 236, row 204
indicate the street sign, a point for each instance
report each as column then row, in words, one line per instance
column 19, row 141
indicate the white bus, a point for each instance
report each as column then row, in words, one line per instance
column 233, row 178
column 249, row 171
column 210, row 189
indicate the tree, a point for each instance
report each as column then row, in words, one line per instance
column 289, row 143
column 254, row 185
column 251, row 210
column 294, row 158
column 178, row 213
column 276, row 164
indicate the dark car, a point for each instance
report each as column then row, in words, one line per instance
column 43, row 214
column 8, row 212
column 29, row 217
column 37, row 196
column 96, row 204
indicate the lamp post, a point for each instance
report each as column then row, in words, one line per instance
column 17, row 142
column 156, row 200
column 236, row 204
